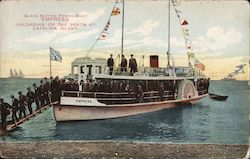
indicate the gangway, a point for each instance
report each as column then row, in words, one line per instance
column 12, row 126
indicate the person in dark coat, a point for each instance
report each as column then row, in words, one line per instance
column 132, row 65
column 124, row 64
column 110, row 64
column 161, row 92
column 4, row 108
column 15, row 108
column 22, row 104
column 30, row 99
column 36, row 96
column 41, row 94
column 46, row 90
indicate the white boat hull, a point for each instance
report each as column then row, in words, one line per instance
column 68, row 112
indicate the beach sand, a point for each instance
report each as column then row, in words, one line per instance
column 111, row 149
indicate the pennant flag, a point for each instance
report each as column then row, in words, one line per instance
column 103, row 36
column 178, row 11
column 176, row 2
column 119, row 1
column 187, row 38
column 185, row 31
column 191, row 54
column 107, row 26
column 184, row 22
column 115, row 11
column 199, row 65
column 55, row 55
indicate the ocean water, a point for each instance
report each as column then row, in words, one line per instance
column 210, row 121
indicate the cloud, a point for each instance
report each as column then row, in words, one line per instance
column 146, row 28
column 76, row 36
column 221, row 38
column 42, row 38
column 216, row 39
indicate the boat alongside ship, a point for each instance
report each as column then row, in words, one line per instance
column 149, row 89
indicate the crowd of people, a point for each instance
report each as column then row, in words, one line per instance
column 48, row 91
column 123, row 65
column 203, row 85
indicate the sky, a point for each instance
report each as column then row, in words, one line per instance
column 219, row 31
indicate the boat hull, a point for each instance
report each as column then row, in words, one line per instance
column 92, row 112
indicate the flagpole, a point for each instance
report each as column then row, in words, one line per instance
column 168, row 52
column 122, row 27
column 50, row 74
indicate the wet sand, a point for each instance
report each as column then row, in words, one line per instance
column 86, row 149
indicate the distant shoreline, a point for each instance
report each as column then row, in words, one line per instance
column 100, row 149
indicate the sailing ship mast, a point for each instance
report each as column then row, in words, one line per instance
column 168, row 52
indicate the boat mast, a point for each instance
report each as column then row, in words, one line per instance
column 122, row 27
column 168, row 52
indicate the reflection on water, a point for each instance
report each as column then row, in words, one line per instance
column 206, row 122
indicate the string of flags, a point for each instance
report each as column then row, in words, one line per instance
column 115, row 12
column 185, row 31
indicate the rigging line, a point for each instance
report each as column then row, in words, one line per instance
column 182, row 28
column 101, row 31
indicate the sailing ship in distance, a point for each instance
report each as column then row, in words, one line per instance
column 238, row 70
column 15, row 74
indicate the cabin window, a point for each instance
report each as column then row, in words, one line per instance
column 89, row 69
column 98, row 69
column 75, row 70
column 82, row 69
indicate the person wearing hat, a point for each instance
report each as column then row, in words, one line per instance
column 124, row 64
column 132, row 65
column 41, row 94
column 22, row 105
column 15, row 108
column 46, row 87
column 36, row 96
column 4, row 108
column 30, row 99
column 110, row 64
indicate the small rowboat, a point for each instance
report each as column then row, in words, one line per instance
column 217, row 97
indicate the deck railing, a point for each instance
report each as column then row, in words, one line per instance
column 122, row 96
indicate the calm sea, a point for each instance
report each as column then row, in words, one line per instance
column 207, row 122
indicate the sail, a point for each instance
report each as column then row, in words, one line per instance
column 15, row 73
column 11, row 73
column 21, row 74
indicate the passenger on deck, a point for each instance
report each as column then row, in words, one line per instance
column 22, row 105
column 124, row 64
column 41, row 94
column 81, row 85
column 4, row 108
column 132, row 65
column 59, row 87
column 161, row 92
column 46, row 89
column 30, row 99
column 15, row 108
column 110, row 64
column 36, row 96
column 52, row 89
